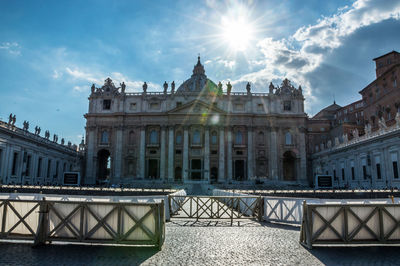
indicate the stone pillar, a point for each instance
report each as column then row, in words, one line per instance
column 118, row 156
column 250, row 160
column 185, row 163
column 162, row 155
column 142, row 153
column 303, row 159
column 90, row 178
column 171, row 153
column 229, row 155
column 207, row 154
column 273, row 155
column 221, row 161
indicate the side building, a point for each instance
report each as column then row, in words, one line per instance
column 29, row 159
column 196, row 133
column 361, row 147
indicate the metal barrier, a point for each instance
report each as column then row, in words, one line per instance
column 327, row 224
column 86, row 222
column 217, row 207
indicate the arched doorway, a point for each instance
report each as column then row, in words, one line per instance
column 103, row 165
column 239, row 174
column 178, row 173
column 289, row 166
column 214, row 174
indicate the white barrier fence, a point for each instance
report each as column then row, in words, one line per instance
column 245, row 206
column 78, row 221
column 350, row 223
column 289, row 210
column 81, row 198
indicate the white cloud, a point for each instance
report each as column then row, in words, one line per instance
column 11, row 47
column 309, row 46
column 57, row 74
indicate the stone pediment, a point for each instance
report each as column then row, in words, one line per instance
column 196, row 107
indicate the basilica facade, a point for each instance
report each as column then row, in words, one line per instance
column 199, row 132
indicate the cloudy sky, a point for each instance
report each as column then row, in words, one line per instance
column 52, row 51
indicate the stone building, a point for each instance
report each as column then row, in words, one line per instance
column 28, row 158
column 367, row 161
column 197, row 132
column 359, row 143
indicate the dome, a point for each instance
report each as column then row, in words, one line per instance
column 198, row 82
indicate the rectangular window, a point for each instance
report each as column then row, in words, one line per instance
column 395, row 170
column 364, row 167
column 178, row 104
column 239, row 107
column 64, row 167
column 378, row 171
column 132, row 106
column 214, row 152
column 352, row 174
column 28, row 166
column 57, row 165
column 48, row 168
column 394, row 165
column 106, row 104
column 1, row 152
column 178, row 151
column 39, row 168
column 14, row 164
column 334, row 175
column 154, row 106
column 287, row 106
column 343, row 174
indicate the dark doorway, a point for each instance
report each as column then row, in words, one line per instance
column 195, row 172
column 103, row 165
column 239, row 170
column 152, row 169
column 214, row 174
column 289, row 166
column 178, row 173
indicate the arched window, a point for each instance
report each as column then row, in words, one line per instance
column 131, row 138
column 260, row 138
column 153, row 137
column 196, row 137
column 214, row 137
column 239, row 137
column 288, row 138
column 104, row 137
column 179, row 138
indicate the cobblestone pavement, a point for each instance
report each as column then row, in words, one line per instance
column 205, row 243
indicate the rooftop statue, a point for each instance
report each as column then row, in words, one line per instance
column 165, row 87
column 123, row 86
column 173, row 87
column 271, row 88
column 382, row 123
column 144, row 87
column 93, row 88
column 228, row 88
column 248, row 88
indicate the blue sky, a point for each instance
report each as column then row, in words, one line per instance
column 52, row 51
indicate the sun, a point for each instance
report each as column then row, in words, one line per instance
column 237, row 33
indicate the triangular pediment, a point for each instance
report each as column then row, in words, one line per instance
column 196, row 107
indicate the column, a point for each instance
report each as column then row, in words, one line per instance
column 303, row 159
column 118, row 156
column 221, row 161
column 229, row 155
column 207, row 154
column 171, row 153
column 185, row 158
column 162, row 155
column 142, row 153
column 90, row 178
column 250, row 161
column 273, row 155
